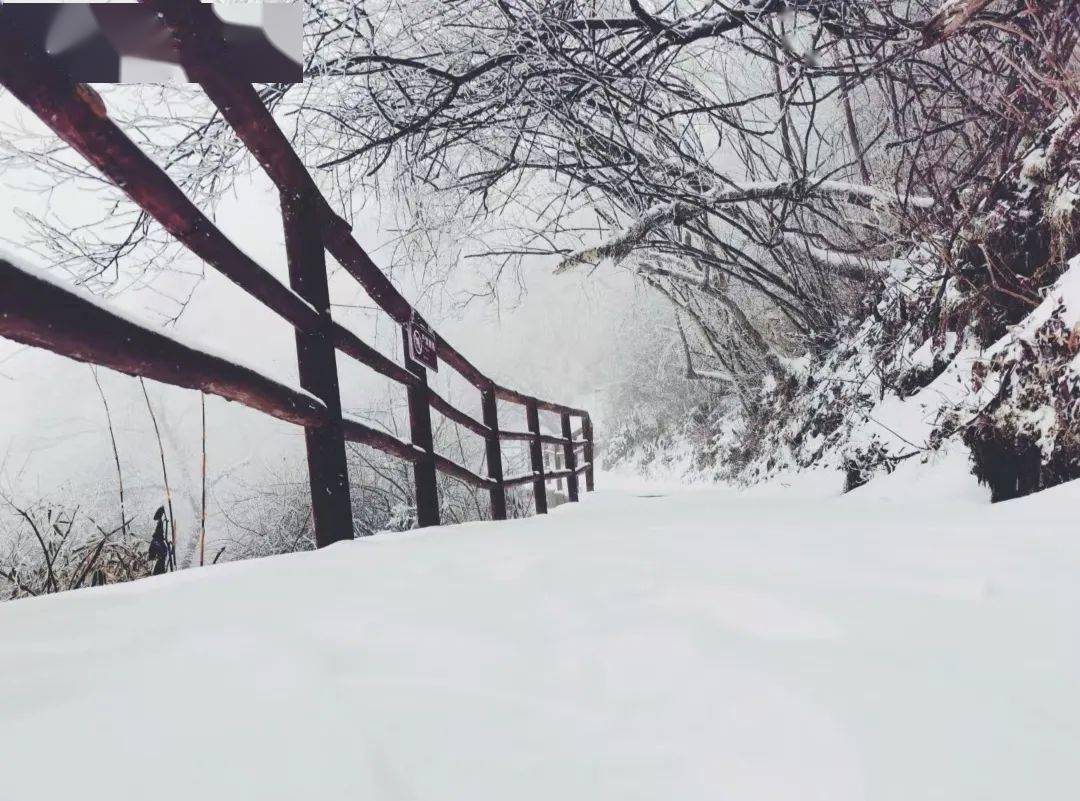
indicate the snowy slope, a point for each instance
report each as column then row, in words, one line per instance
column 906, row 641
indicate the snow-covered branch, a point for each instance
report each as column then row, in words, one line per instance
column 621, row 244
column 849, row 265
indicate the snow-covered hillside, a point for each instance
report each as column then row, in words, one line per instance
column 937, row 353
column 904, row 641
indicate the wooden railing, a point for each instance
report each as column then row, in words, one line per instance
column 37, row 312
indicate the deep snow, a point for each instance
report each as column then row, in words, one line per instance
column 906, row 642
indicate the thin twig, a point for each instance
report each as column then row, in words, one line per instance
column 115, row 450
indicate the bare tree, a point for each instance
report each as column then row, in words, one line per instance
column 759, row 163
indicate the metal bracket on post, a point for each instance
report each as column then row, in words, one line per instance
column 570, row 457
column 494, row 453
column 536, row 457
column 331, row 507
column 427, row 491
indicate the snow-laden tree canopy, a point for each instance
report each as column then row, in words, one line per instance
column 753, row 161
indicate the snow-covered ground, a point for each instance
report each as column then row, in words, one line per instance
column 906, row 642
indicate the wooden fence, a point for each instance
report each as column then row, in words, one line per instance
column 37, row 312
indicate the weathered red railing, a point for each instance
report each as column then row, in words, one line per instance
column 40, row 313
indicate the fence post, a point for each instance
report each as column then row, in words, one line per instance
column 586, row 431
column 328, row 471
column 427, row 491
column 536, row 456
column 494, row 453
column 570, row 457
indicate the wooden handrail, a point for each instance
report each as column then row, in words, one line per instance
column 363, row 434
column 46, row 314
column 549, row 439
column 67, row 108
column 502, row 393
column 525, row 478
column 525, row 436
column 452, row 468
column 240, row 105
column 441, row 405
column 37, row 312
column 350, row 344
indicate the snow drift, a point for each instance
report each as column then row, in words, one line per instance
column 699, row 644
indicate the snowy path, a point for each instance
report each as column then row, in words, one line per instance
column 642, row 645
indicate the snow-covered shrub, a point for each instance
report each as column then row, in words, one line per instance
column 1027, row 436
column 271, row 518
column 48, row 546
column 863, row 463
